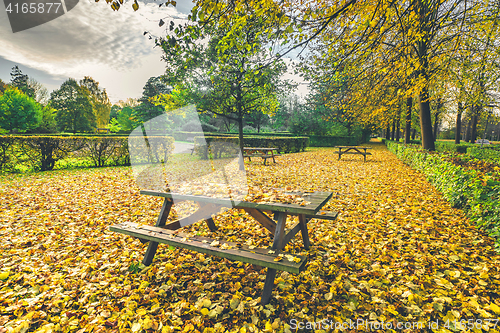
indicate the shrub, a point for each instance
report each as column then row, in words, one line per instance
column 207, row 145
column 487, row 154
column 476, row 192
column 249, row 129
column 19, row 153
column 331, row 141
column 195, row 126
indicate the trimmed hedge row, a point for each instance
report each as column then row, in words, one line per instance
column 452, row 147
column 314, row 140
column 222, row 145
column 331, row 141
column 185, row 136
column 477, row 193
column 43, row 153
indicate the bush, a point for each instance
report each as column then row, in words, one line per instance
column 42, row 153
column 249, row 129
column 443, row 146
column 266, row 129
column 486, row 154
column 476, row 192
column 217, row 146
column 331, row 141
column 194, row 126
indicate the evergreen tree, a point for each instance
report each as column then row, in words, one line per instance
column 21, row 82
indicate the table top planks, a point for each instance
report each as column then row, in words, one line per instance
column 316, row 199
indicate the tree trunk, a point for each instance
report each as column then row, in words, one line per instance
column 469, row 125
column 393, row 129
column 409, row 103
column 458, row 125
column 414, row 134
column 398, row 126
column 473, row 136
column 436, row 118
column 425, row 120
column 388, row 132
column 424, row 11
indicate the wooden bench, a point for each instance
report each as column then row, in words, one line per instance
column 233, row 251
column 263, row 153
column 272, row 216
column 353, row 150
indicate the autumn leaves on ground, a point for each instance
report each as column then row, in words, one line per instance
column 396, row 253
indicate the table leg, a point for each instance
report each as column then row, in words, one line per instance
column 303, row 230
column 162, row 219
column 211, row 225
column 277, row 245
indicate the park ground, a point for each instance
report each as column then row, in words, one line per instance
column 398, row 253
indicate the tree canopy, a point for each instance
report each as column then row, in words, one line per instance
column 18, row 112
column 74, row 109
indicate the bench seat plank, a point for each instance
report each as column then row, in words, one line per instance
column 255, row 256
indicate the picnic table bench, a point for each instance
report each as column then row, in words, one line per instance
column 263, row 153
column 353, row 150
column 272, row 216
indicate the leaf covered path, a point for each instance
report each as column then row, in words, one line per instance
column 397, row 253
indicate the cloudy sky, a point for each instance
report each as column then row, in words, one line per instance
column 91, row 40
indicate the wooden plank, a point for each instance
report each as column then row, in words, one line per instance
column 279, row 234
column 211, row 225
column 324, row 215
column 290, row 233
column 162, row 218
column 203, row 213
column 267, row 292
column 259, row 257
column 262, row 218
column 358, row 153
column 317, row 199
column 278, row 244
column 303, row 230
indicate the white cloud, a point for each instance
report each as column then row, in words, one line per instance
column 93, row 40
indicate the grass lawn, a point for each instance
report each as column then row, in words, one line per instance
column 398, row 253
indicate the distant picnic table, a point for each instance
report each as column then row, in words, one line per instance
column 272, row 216
column 263, row 153
column 353, row 150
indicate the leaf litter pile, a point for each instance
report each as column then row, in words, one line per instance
column 397, row 253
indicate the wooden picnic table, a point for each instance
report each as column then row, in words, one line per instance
column 272, row 216
column 353, row 150
column 263, row 153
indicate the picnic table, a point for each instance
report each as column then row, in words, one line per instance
column 353, row 150
column 263, row 153
column 272, row 216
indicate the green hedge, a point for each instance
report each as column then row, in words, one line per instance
column 477, row 193
column 331, row 141
column 184, row 136
column 43, row 153
column 486, row 154
column 220, row 147
column 450, row 146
